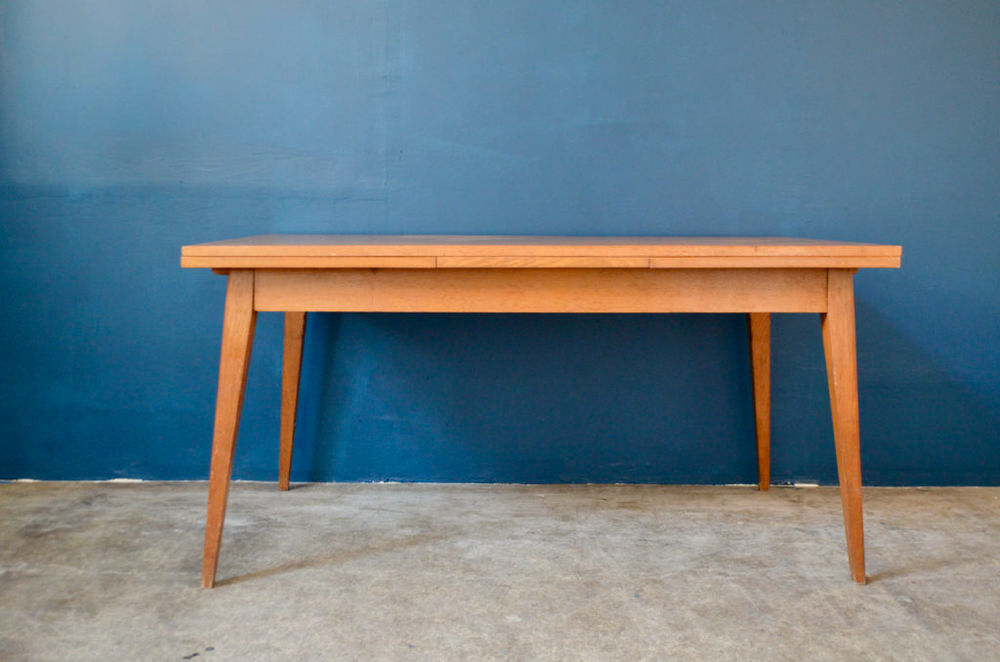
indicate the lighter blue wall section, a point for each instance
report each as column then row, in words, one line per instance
column 128, row 129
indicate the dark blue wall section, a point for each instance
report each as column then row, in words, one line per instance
column 128, row 129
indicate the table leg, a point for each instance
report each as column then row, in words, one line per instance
column 842, row 378
column 295, row 327
column 759, row 325
column 237, row 339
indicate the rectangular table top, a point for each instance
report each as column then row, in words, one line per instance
column 311, row 251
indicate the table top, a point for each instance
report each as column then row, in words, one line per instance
column 499, row 251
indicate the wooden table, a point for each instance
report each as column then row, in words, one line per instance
column 525, row 274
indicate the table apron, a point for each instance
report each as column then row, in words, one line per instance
column 798, row 290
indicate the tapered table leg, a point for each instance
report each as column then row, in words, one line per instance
column 237, row 339
column 842, row 378
column 759, row 325
column 295, row 327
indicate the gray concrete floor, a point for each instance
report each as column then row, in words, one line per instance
column 477, row 572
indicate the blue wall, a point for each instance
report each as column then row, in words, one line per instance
column 130, row 128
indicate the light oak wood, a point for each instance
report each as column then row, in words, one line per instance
column 309, row 262
column 220, row 263
column 497, row 251
column 438, row 273
column 238, row 324
column 842, row 378
column 295, row 329
column 541, row 262
column 759, row 325
column 527, row 245
column 774, row 262
column 543, row 290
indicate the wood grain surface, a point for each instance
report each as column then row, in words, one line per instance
column 499, row 251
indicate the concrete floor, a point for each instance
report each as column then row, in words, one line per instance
column 477, row 572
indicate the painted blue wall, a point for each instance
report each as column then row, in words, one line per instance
column 130, row 128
